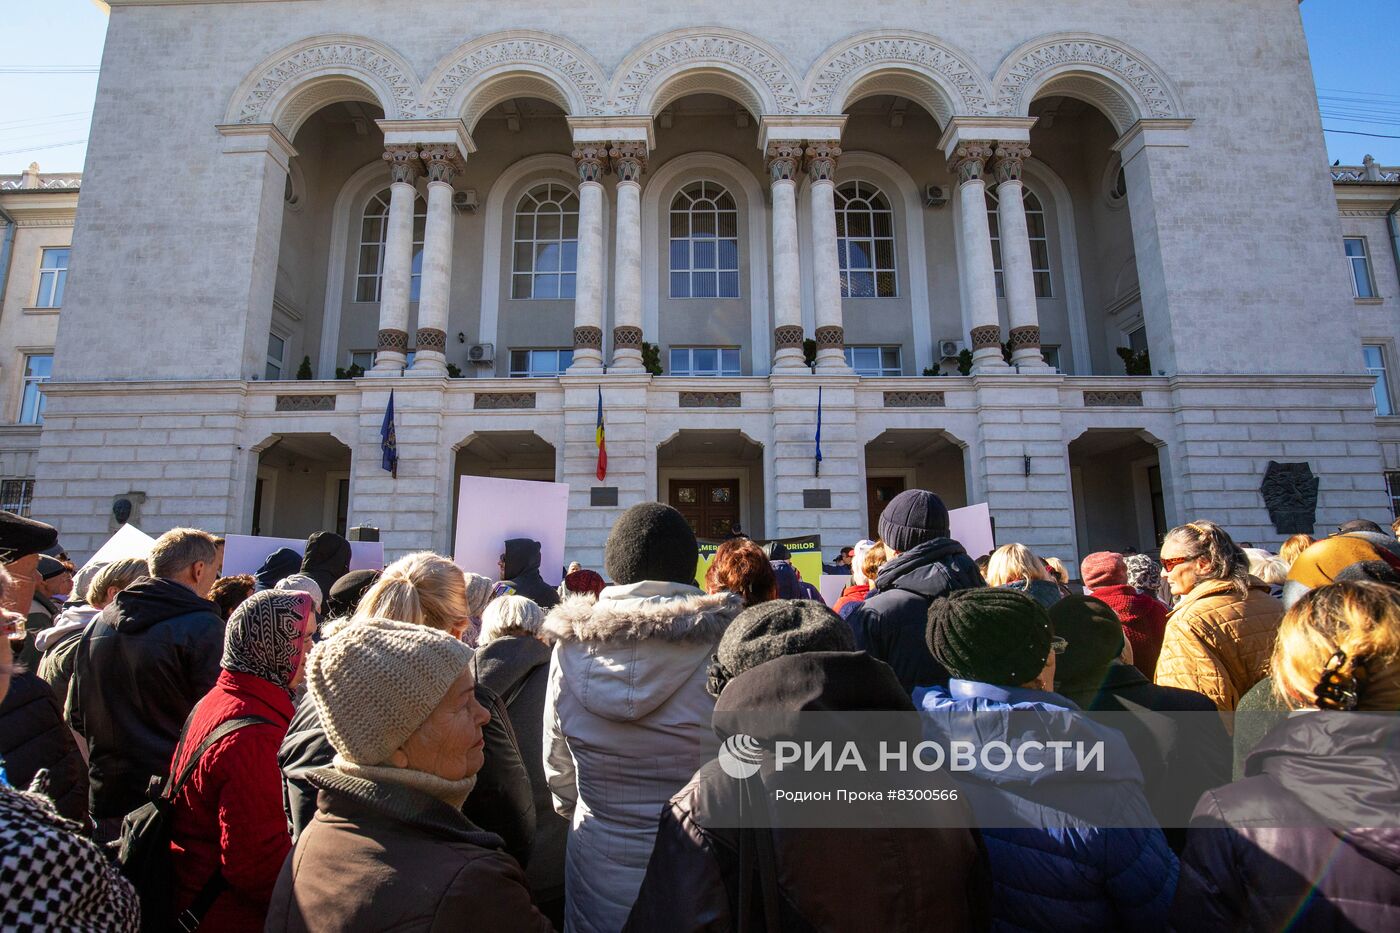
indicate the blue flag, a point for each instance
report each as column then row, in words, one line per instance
column 819, row 431
column 387, row 444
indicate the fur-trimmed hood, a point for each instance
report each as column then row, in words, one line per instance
column 626, row 653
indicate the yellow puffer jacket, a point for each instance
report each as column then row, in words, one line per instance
column 1219, row 644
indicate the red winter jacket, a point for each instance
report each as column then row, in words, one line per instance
column 1144, row 621
column 229, row 816
column 855, row 593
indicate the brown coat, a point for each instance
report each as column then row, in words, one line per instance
column 389, row 857
column 1219, row 644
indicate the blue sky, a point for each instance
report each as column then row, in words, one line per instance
column 1355, row 46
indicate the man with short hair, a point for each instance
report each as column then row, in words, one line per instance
column 142, row 665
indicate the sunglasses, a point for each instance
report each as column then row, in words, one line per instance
column 1171, row 563
column 1058, row 644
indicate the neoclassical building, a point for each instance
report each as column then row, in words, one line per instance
column 1078, row 261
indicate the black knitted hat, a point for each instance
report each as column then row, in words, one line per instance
column 990, row 635
column 50, row 567
column 913, row 517
column 774, row 629
column 1094, row 636
column 347, row 592
column 651, row 541
column 20, row 537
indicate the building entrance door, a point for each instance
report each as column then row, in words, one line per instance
column 879, row 490
column 710, row 505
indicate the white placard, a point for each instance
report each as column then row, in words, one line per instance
column 128, row 542
column 832, row 585
column 246, row 553
column 972, row 528
column 491, row 510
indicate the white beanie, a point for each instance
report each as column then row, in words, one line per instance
column 377, row 680
column 510, row 615
column 301, row 583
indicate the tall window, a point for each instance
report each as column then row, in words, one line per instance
column 1362, row 284
column 374, row 234
column 16, row 496
column 38, row 367
column 1040, row 244
column 704, row 242
column 1375, row 365
column 705, row 361
column 546, row 243
column 865, row 242
column 539, row 363
column 276, row 357
column 53, row 275
column 1392, row 485
column 874, row 361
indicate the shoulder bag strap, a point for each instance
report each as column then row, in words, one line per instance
column 224, row 728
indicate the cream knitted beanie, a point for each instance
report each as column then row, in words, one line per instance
column 376, row 681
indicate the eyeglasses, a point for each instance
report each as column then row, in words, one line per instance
column 1171, row 563
column 1058, row 644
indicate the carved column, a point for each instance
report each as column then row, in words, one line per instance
column 592, row 161
column 628, row 161
column 396, row 278
column 784, row 161
column 969, row 162
column 826, row 272
column 430, row 357
column 1016, row 268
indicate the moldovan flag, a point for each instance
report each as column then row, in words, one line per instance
column 602, row 441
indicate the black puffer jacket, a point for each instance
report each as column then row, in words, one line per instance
column 142, row 665
column 892, row 622
column 522, row 572
column 33, row 735
column 1310, row 840
column 327, row 559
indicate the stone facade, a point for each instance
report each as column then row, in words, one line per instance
column 351, row 185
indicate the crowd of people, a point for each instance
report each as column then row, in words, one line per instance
column 314, row 749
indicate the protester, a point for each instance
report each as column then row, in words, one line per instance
column 346, row 593
column 790, row 584
column 230, row 592
column 52, row 582
column 164, row 636
column 389, row 847
column 580, row 581
column 1220, row 633
column 1145, row 576
column 326, row 560
column 282, row 562
column 1143, row 617
column 924, row 564
column 519, row 565
column 627, row 718
column 35, row 738
column 478, row 597
column 302, row 583
column 789, row 657
column 1014, row 567
column 1056, row 869
column 1268, row 569
column 740, row 567
column 1290, row 549
column 1058, row 574
column 229, row 833
column 60, row 643
column 1324, row 561
column 510, row 615
column 1307, row 840
column 54, row 879
column 859, row 587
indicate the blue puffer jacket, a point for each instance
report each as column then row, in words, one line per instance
column 1052, row 867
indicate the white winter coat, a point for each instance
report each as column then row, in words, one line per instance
column 626, row 724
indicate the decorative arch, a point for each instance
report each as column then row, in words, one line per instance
column 940, row 77
column 482, row 73
column 693, row 61
column 289, row 86
column 1121, row 81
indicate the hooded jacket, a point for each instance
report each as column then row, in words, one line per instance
column 522, row 573
column 141, row 667
column 59, row 645
column 327, row 559
column 626, row 724
column 892, row 622
column 1218, row 643
column 33, row 736
column 1310, row 840
column 281, row 563
column 889, row 879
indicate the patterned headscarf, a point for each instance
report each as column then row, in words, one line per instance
column 1144, row 572
column 261, row 635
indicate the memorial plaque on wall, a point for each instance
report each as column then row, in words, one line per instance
column 1290, row 495
column 816, row 498
column 602, row 495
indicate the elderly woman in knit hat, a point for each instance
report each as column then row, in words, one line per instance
column 389, row 847
column 1057, row 869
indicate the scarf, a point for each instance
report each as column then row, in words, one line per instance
column 261, row 637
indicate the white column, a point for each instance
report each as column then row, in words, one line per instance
column 628, row 163
column 826, row 273
column 396, row 278
column 784, row 161
column 975, row 236
column 430, row 356
column 591, row 160
column 1016, row 269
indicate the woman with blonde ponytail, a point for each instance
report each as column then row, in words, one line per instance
column 422, row 588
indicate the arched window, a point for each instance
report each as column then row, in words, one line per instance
column 704, row 242
column 374, row 232
column 865, row 242
column 1040, row 244
column 546, row 243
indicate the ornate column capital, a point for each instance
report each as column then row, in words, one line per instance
column 591, row 160
column 443, row 163
column 1010, row 157
column 404, row 163
column 969, row 160
column 783, row 159
column 821, row 158
column 628, row 160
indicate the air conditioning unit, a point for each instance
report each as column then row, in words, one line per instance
column 949, row 349
column 464, row 201
column 934, row 196
column 482, row 353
